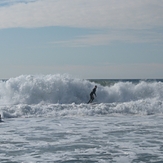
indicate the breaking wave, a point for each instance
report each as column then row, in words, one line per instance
column 63, row 95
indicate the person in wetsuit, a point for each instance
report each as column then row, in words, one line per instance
column 0, row 118
column 92, row 94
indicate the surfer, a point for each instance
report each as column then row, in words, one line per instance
column 92, row 94
column 0, row 118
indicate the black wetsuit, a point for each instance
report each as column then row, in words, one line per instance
column 91, row 95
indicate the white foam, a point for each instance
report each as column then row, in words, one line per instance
column 140, row 107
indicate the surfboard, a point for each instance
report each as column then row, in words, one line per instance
column 93, row 103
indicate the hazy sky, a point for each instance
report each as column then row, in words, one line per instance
column 84, row 38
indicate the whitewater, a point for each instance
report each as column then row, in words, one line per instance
column 46, row 118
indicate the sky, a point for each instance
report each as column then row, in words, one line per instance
column 88, row 39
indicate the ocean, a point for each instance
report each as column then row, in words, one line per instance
column 46, row 118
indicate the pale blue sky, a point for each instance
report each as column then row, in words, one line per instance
column 84, row 38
